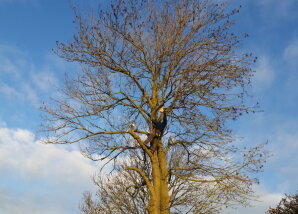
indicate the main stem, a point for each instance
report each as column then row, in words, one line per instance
column 159, row 202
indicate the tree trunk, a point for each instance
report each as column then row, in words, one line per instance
column 164, row 187
column 159, row 202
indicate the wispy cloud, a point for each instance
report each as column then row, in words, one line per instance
column 290, row 70
column 22, row 79
column 12, row 60
column 261, row 205
column 14, row 75
column 9, row 91
column 264, row 75
column 279, row 8
column 291, row 53
column 45, row 80
column 9, row 204
column 281, row 132
column 285, row 159
column 266, row 199
column 19, row 1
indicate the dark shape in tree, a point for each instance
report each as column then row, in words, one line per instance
column 172, row 69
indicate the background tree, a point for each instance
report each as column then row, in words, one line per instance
column 159, row 79
column 287, row 205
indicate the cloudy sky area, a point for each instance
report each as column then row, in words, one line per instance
column 50, row 179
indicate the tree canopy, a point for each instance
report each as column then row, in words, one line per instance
column 159, row 81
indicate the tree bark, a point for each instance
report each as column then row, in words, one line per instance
column 160, row 201
column 164, row 190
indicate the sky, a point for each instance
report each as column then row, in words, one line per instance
column 50, row 179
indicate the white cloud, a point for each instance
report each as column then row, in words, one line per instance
column 265, row 200
column 38, row 161
column 14, row 70
column 280, row 8
column 23, row 205
column 18, row 1
column 290, row 57
column 23, row 79
column 283, row 2
column 2, row 124
column 291, row 52
column 10, row 49
column 285, row 157
column 35, row 176
column 264, row 75
column 11, row 60
column 9, row 91
column 45, row 80
column 9, row 67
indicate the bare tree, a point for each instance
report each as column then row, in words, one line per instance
column 125, row 192
column 160, row 79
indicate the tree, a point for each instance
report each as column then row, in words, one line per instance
column 287, row 205
column 159, row 81
column 125, row 192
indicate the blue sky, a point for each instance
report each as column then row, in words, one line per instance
column 48, row 179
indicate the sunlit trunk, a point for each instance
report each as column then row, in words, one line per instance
column 160, row 200
column 164, row 187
